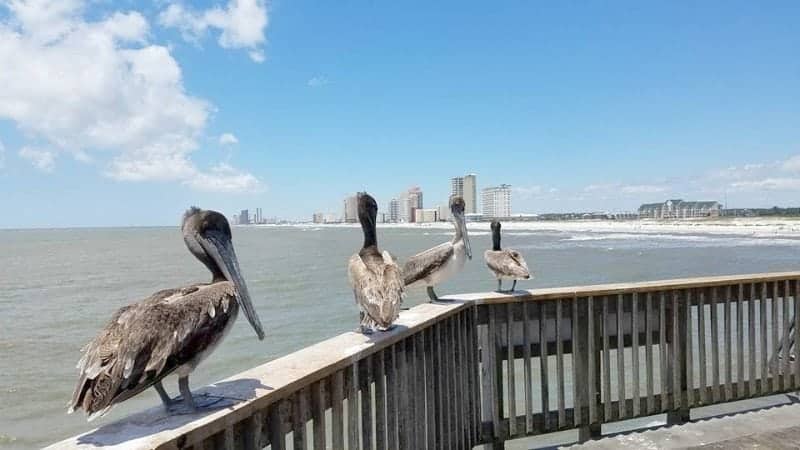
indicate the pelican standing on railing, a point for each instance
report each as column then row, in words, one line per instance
column 437, row 264
column 171, row 331
column 505, row 264
column 374, row 275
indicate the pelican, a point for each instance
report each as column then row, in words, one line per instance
column 374, row 275
column 437, row 264
column 505, row 264
column 171, row 331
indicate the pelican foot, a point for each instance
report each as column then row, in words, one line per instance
column 389, row 328
column 432, row 294
column 363, row 329
column 201, row 402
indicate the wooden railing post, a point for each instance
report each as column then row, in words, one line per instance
column 677, row 333
column 580, row 357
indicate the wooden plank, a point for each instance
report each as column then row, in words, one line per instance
column 277, row 439
column 300, row 403
column 607, row 417
column 452, row 372
column 365, row 391
column 379, row 371
column 764, row 375
column 318, row 413
column 752, row 378
column 774, row 387
column 796, row 334
column 621, row 413
column 689, row 351
column 228, row 439
column 464, row 370
column 404, row 426
column 526, row 362
column 635, row 353
column 727, row 305
column 438, row 370
column 544, row 374
column 715, row 397
column 472, row 329
column 784, row 370
column 740, row 381
column 663, row 349
column 675, row 347
column 578, row 375
column 337, row 413
column 648, row 352
column 430, row 390
column 510, row 369
column 592, row 375
column 562, row 417
column 536, row 295
column 392, row 398
column 352, row 408
column 252, row 436
column 702, row 362
column 489, row 363
column 419, row 394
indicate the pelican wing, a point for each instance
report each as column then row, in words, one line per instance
column 377, row 287
column 146, row 341
column 509, row 263
column 423, row 264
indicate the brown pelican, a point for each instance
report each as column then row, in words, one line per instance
column 437, row 264
column 171, row 331
column 505, row 264
column 374, row 275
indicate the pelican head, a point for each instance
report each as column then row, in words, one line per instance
column 367, row 215
column 457, row 207
column 207, row 234
column 495, row 235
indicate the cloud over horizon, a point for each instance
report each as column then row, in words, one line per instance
column 102, row 88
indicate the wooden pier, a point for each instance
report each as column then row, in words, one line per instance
column 483, row 369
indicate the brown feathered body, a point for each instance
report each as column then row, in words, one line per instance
column 507, row 264
column 377, row 286
column 172, row 330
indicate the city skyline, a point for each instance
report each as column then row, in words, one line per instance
column 577, row 106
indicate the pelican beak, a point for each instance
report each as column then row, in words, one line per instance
column 220, row 248
column 463, row 223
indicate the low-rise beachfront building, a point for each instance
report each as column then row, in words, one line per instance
column 679, row 209
column 426, row 215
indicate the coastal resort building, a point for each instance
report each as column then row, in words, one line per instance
column 679, row 209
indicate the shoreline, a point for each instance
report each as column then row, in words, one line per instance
column 750, row 227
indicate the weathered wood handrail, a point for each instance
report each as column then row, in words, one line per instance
column 455, row 374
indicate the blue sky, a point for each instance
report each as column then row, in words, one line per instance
column 112, row 113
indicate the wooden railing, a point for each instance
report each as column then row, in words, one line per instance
column 485, row 368
column 638, row 349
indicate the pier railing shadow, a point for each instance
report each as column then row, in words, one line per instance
column 486, row 368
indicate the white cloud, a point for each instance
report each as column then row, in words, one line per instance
column 87, row 87
column 781, row 175
column 224, row 178
column 43, row 160
column 642, row 189
column 2, row 155
column 317, row 81
column 226, row 139
column 768, row 184
column 627, row 189
column 241, row 24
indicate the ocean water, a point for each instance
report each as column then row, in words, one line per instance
column 59, row 287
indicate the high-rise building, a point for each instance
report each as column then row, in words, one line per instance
column 470, row 194
column 394, row 211
column 410, row 201
column 318, row 218
column 457, row 187
column 259, row 218
column 244, row 217
column 466, row 188
column 496, row 201
column 351, row 209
